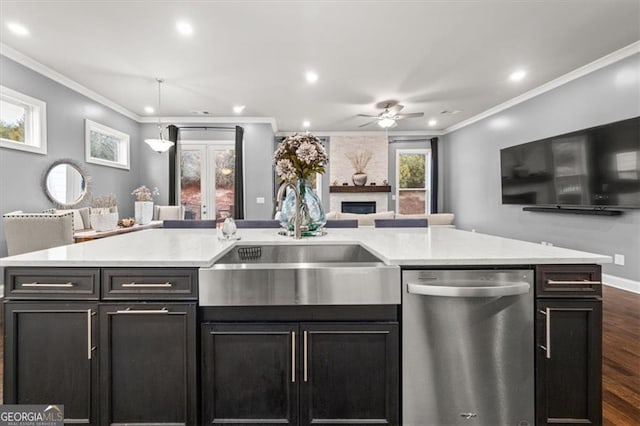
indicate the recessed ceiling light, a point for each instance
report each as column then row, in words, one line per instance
column 184, row 28
column 306, row 124
column 238, row 109
column 432, row 122
column 18, row 29
column 518, row 75
column 149, row 110
column 311, row 76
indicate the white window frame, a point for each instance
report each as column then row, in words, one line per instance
column 123, row 146
column 427, row 177
column 35, row 123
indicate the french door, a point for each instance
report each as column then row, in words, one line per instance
column 413, row 181
column 206, row 179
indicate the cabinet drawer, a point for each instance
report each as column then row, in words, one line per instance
column 568, row 280
column 52, row 283
column 149, row 283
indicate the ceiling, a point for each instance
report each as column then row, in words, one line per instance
column 429, row 55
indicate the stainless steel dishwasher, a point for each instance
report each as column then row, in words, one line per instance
column 467, row 348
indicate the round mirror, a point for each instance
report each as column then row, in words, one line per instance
column 65, row 183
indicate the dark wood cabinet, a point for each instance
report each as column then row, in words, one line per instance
column 300, row 373
column 50, row 357
column 147, row 369
column 250, row 373
column 569, row 350
column 350, row 374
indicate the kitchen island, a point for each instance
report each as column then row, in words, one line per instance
column 129, row 307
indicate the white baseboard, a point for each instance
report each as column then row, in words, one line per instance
column 622, row 283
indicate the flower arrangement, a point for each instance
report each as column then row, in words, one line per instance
column 299, row 157
column 103, row 205
column 142, row 193
column 360, row 160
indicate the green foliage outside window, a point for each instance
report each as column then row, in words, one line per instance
column 13, row 131
column 412, row 169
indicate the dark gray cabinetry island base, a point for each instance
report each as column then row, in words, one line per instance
column 287, row 369
column 119, row 345
column 129, row 361
column 569, row 344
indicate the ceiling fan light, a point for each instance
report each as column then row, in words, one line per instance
column 386, row 122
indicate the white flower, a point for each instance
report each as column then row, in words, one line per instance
column 285, row 169
column 307, row 152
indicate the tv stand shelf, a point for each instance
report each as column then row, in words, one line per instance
column 569, row 210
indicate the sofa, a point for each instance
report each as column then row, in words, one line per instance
column 435, row 219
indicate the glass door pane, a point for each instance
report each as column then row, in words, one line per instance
column 224, row 163
column 192, row 160
column 413, row 178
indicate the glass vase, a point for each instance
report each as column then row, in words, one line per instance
column 312, row 216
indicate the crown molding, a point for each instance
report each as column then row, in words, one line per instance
column 40, row 68
column 213, row 120
column 606, row 60
column 329, row 133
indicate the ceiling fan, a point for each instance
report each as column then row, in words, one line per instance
column 390, row 115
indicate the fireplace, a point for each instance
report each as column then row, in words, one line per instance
column 359, row 207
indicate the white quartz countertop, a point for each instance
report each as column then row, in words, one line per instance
column 395, row 246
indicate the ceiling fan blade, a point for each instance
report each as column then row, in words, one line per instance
column 410, row 115
column 367, row 115
column 366, row 124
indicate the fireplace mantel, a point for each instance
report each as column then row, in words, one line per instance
column 366, row 188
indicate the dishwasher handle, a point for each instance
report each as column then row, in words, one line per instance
column 509, row 289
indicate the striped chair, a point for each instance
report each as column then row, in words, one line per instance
column 245, row 223
column 341, row 223
column 401, row 223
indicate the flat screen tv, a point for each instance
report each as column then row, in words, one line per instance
column 597, row 167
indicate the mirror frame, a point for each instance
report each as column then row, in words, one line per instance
column 83, row 172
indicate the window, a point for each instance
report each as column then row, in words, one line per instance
column 106, row 146
column 22, row 122
column 413, row 183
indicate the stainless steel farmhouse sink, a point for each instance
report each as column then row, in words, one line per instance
column 283, row 274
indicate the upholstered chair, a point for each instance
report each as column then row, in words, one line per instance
column 27, row 232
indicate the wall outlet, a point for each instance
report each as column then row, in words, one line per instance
column 393, row 197
column 260, row 200
column 618, row 259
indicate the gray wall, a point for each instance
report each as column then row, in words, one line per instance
column 472, row 166
column 21, row 172
column 258, row 150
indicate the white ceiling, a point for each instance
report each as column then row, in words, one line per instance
column 429, row 55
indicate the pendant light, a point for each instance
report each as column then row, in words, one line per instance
column 159, row 145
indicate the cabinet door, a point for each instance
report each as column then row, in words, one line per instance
column 250, row 373
column 349, row 374
column 148, row 362
column 568, row 361
column 50, row 357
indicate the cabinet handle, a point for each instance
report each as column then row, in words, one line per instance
column 305, row 355
column 149, row 285
column 89, row 345
column 573, row 282
column 547, row 329
column 143, row 311
column 52, row 285
column 293, row 357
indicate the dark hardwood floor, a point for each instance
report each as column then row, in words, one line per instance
column 621, row 357
column 620, row 364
